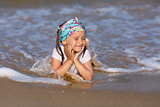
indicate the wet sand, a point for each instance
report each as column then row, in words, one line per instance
column 14, row 94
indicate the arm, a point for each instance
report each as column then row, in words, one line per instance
column 61, row 69
column 85, row 69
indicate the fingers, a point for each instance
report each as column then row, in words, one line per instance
column 72, row 52
column 69, row 52
column 82, row 49
column 87, row 43
column 67, row 49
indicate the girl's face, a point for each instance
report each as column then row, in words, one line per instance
column 77, row 41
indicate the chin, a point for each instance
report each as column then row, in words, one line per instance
column 77, row 50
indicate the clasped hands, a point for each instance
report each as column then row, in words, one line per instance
column 71, row 54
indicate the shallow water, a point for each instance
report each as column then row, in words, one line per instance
column 125, row 34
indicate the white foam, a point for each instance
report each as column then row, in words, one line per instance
column 26, row 54
column 131, row 52
column 150, row 62
column 42, row 67
column 122, row 70
column 19, row 77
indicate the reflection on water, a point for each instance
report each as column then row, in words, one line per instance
column 125, row 34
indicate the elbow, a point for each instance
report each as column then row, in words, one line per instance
column 59, row 73
column 90, row 76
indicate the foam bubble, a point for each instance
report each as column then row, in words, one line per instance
column 19, row 77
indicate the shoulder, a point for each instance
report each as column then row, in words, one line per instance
column 86, row 57
column 56, row 51
column 56, row 55
column 87, row 52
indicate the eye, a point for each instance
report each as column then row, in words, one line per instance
column 76, row 38
column 83, row 38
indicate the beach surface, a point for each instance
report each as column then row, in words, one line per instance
column 15, row 94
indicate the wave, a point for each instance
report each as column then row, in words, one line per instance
column 122, row 70
column 20, row 77
column 147, row 64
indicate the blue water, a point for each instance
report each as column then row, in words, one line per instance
column 125, row 34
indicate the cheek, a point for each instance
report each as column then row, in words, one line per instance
column 72, row 44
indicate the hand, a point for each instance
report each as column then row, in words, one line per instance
column 76, row 58
column 87, row 43
column 69, row 52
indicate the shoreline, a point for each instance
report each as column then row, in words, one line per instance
column 17, row 94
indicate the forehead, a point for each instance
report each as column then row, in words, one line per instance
column 79, row 34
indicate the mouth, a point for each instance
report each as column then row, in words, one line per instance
column 79, row 46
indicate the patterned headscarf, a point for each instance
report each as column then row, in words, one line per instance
column 71, row 26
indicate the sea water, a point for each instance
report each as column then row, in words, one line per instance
column 125, row 35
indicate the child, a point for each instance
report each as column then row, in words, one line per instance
column 72, row 55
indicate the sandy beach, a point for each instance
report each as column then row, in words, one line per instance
column 14, row 94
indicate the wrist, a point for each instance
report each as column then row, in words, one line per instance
column 76, row 60
column 69, row 60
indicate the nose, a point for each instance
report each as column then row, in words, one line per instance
column 80, row 42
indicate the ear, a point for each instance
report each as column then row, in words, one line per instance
column 64, row 42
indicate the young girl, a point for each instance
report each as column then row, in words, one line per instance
column 72, row 55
